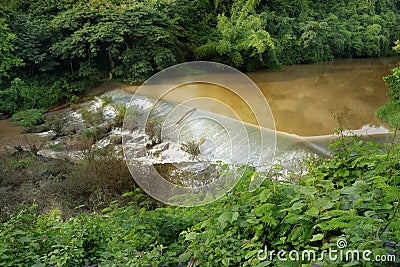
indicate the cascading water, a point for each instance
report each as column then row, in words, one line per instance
column 195, row 124
column 221, row 140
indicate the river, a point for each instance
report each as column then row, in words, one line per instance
column 307, row 100
column 303, row 98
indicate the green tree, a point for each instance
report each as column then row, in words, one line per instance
column 132, row 41
column 8, row 59
column 22, row 95
column 34, row 39
column 242, row 41
column 314, row 41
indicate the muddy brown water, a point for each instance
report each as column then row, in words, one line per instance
column 306, row 100
column 303, row 98
column 9, row 132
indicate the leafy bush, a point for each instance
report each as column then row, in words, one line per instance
column 29, row 117
column 22, row 163
column 354, row 195
column 41, row 92
column 390, row 111
column 120, row 111
column 107, row 100
column 90, row 117
column 28, row 94
column 93, row 133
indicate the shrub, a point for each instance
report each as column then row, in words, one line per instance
column 58, row 123
column 34, row 143
column 28, row 143
column 38, row 92
column 192, row 147
column 120, row 111
column 153, row 130
column 390, row 111
column 93, row 133
column 29, row 117
column 92, row 118
column 107, row 100
column 92, row 184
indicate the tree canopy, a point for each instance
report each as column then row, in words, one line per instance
column 90, row 40
column 8, row 58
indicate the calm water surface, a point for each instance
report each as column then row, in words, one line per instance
column 303, row 98
column 306, row 100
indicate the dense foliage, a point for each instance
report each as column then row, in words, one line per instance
column 354, row 195
column 28, row 118
column 51, row 51
column 390, row 111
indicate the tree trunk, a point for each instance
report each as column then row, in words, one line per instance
column 112, row 65
column 71, row 66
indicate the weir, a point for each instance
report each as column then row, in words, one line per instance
column 234, row 141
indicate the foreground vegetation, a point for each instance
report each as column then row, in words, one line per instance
column 53, row 51
column 353, row 195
